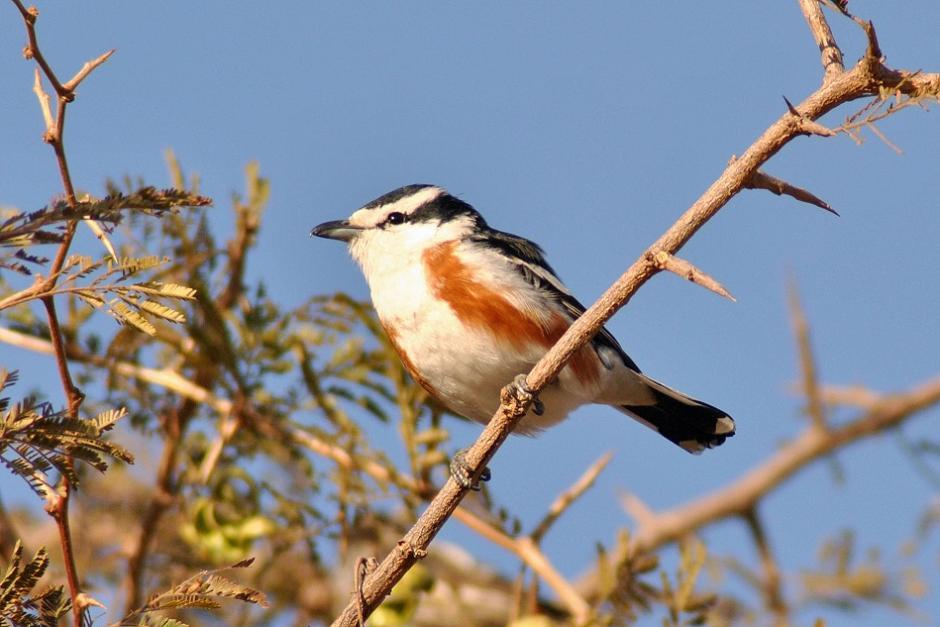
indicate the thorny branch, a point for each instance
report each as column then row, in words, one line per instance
column 528, row 552
column 54, row 135
column 867, row 78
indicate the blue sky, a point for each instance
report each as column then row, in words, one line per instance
column 588, row 129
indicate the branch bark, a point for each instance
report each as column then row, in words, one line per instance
column 867, row 77
column 830, row 54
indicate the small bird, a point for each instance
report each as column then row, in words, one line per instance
column 468, row 308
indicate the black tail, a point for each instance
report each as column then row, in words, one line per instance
column 690, row 423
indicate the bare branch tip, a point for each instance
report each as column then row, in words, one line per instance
column 87, row 69
column 637, row 509
column 815, row 408
column 873, row 50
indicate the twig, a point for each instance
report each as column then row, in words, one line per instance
column 527, row 550
column 874, row 129
column 830, row 54
column 32, row 49
column 569, row 496
column 689, row 272
column 59, row 507
column 229, row 426
column 850, row 396
column 532, row 555
column 773, row 595
column 44, row 106
column 363, row 567
column 762, row 180
column 86, row 70
column 637, row 509
column 874, row 48
column 814, row 405
column 162, row 498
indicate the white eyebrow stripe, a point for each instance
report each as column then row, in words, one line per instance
column 408, row 204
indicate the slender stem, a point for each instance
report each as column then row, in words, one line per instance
column 569, row 496
column 58, row 145
column 773, row 595
column 29, row 18
column 164, row 493
column 72, row 393
column 814, row 405
column 59, row 507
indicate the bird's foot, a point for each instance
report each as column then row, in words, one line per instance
column 524, row 394
column 462, row 473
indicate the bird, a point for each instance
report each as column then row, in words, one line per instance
column 468, row 308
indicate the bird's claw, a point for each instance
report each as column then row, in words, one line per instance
column 525, row 394
column 461, row 472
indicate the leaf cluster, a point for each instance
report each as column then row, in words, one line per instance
column 844, row 580
column 35, row 439
column 47, row 225
column 204, row 590
column 19, row 606
column 626, row 592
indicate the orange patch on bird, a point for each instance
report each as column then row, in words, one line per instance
column 406, row 361
column 480, row 307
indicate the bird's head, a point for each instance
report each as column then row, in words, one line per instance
column 396, row 228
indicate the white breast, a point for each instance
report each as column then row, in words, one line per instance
column 463, row 365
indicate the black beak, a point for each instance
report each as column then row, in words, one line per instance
column 336, row 229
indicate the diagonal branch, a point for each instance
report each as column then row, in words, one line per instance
column 569, row 496
column 868, row 77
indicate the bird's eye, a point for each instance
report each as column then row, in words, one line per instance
column 395, row 217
